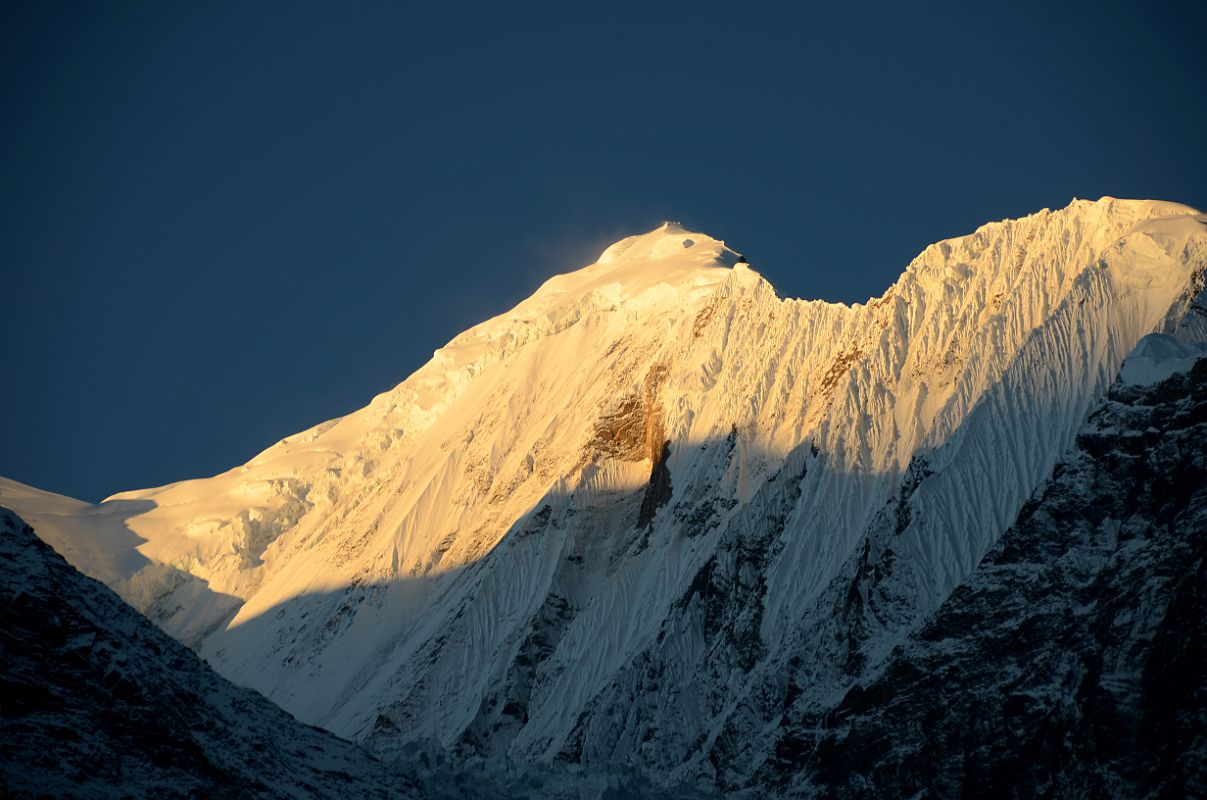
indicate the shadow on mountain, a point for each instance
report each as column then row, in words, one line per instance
column 706, row 627
column 98, row 540
column 97, row 702
column 713, row 592
column 653, row 599
column 180, row 603
column 506, row 625
column 95, row 537
column 1073, row 662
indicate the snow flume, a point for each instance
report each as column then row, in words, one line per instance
column 638, row 517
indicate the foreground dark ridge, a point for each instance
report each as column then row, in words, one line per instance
column 98, row 702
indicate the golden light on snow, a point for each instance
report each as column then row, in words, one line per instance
column 402, row 550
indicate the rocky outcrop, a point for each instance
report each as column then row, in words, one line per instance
column 98, row 702
column 1073, row 662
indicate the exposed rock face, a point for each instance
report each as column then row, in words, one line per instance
column 633, row 430
column 97, row 702
column 1073, row 662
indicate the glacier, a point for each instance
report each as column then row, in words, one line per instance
column 655, row 509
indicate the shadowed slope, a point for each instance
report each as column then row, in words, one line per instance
column 97, row 702
column 1073, row 661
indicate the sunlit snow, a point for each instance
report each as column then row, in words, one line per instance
column 460, row 560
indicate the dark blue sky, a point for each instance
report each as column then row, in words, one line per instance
column 222, row 223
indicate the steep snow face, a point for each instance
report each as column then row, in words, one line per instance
column 626, row 520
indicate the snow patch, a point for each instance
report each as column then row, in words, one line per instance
column 1159, row 356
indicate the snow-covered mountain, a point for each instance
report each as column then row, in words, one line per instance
column 655, row 512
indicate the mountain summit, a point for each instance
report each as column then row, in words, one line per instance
column 655, row 509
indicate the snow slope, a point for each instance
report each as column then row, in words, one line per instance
column 634, row 518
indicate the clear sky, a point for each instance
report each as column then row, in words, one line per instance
column 221, row 223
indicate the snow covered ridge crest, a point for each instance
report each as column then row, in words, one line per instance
column 632, row 519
